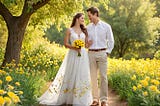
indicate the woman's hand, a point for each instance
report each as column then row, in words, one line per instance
column 78, row 50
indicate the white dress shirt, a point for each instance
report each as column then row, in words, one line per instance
column 101, row 35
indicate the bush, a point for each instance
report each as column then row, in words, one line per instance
column 157, row 54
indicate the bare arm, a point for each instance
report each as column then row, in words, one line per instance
column 86, row 42
column 66, row 41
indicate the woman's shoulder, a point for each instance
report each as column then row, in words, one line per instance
column 68, row 31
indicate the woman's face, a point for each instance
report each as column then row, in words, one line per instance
column 81, row 20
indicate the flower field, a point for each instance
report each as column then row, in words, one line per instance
column 136, row 81
column 22, row 85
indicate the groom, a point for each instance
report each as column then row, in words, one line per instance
column 101, row 43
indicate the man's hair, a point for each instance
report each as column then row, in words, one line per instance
column 93, row 10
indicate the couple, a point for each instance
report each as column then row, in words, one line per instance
column 72, row 84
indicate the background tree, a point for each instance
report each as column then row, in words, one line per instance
column 157, row 39
column 16, row 14
column 55, row 35
column 132, row 23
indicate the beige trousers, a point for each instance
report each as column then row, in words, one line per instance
column 98, row 62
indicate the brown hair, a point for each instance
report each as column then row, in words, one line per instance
column 93, row 10
column 78, row 15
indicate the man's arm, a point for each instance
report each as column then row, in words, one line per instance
column 110, row 39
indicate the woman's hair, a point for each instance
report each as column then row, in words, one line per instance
column 78, row 15
column 93, row 10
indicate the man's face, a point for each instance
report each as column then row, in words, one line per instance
column 90, row 16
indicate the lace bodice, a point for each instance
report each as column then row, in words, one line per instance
column 75, row 36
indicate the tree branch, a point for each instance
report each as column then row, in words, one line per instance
column 29, row 9
column 40, row 4
column 5, row 12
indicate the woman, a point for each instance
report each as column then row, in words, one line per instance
column 72, row 84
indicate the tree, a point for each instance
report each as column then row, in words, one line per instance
column 130, row 21
column 157, row 39
column 54, row 35
column 17, row 13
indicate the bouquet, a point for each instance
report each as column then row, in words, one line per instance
column 78, row 44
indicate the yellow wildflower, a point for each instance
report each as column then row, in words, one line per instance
column 16, row 99
column 10, row 87
column 2, row 101
column 156, row 82
column 11, row 94
column 139, row 86
column 7, row 100
column 1, row 82
column 133, row 77
column 144, row 83
column 147, row 78
column 2, row 91
column 134, row 88
column 20, row 65
column 153, row 88
column 8, row 78
column 17, row 83
column 20, row 92
column 145, row 93
column 2, row 72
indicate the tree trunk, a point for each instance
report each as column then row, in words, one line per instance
column 16, row 29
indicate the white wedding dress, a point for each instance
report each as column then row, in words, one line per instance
column 72, row 84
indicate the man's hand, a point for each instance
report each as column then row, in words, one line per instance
column 90, row 42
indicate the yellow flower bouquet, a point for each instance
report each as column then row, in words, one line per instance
column 78, row 44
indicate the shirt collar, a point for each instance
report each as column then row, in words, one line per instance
column 99, row 23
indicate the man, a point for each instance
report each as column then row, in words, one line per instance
column 101, row 43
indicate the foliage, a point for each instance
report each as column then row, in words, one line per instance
column 54, row 12
column 157, row 54
column 54, row 35
column 134, row 26
column 3, row 33
column 1, row 54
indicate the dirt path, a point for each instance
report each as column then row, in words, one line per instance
column 113, row 98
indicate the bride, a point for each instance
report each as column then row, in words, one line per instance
column 72, row 84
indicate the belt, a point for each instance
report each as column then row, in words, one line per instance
column 97, row 50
